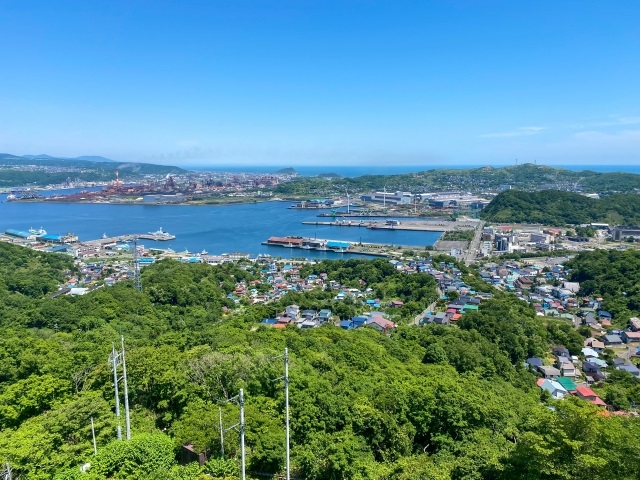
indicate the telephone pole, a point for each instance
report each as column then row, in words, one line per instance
column 6, row 472
column 221, row 432
column 241, row 402
column 240, row 426
column 117, row 358
column 286, row 407
column 136, row 266
column 126, row 390
column 93, row 435
column 114, row 364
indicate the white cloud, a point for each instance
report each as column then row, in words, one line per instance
column 518, row 132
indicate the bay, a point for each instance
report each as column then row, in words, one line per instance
column 216, row 229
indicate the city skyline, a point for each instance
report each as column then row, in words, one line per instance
column 303, row 82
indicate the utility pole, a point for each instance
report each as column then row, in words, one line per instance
column 117, row 358
column 221, row 432
column 286, row 400
column 93, row 435
column 286, row 406
column 126, row 389
column 136, row 266
column 240, row 426
column 241, row 402
column 6, row 472
column 114, row 363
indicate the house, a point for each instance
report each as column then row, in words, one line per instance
column 325, row 315
column 568, row 384
column 292, row 311
column 549, row 372
column 628, row 337
column 587, row 394
column 533, row 363
column 396, row 304
column 594, row 344
column 566, row 367
column 346, row 324
column 592, row 369
column 440, row 318
column 359, row 321
column 634, row 324
column 561, row 351
column 632, row 369
column 612, row 340
column 604, row 315
column 555, row 389
column 381, row 324
column 590, row 352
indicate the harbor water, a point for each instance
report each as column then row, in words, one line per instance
column 216, row 229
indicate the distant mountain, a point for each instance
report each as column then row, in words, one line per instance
column 44, row 156
column 94, row 158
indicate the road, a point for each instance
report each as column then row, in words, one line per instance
column 474, row 246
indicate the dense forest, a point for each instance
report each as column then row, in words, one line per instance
column 552, row 207
column 612, row 275
column 521, row 177
column 429, row 402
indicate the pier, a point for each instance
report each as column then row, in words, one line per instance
column 424, row 226
column 129, row 237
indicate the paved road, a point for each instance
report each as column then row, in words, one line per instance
column 474, row 246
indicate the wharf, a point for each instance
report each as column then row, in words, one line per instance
column 129, row 238
column 337, row 246
column 426, row 226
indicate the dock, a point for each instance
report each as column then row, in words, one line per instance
column 419, row 226
column 129, row 238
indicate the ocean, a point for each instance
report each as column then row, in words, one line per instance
column 216, row 229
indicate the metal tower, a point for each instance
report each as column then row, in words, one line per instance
column 136, row 265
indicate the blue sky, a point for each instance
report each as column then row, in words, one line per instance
column 296, row 82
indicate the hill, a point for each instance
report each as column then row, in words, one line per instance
column 94, row 158
column 552, row 207
column 421, row 402
column 53, row 170
column 526, row 177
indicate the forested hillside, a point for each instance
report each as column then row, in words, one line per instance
column 612, row 275
column 423, row 402
column 57, row 170
column 526, row 176
column 552, row 207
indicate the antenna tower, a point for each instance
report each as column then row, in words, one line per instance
column 136, row 266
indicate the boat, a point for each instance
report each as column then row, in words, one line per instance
column 39, row 232
column 204, row 252
column 160, row 233
column 104, row 235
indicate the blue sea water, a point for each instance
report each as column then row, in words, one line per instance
column 217, row 229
